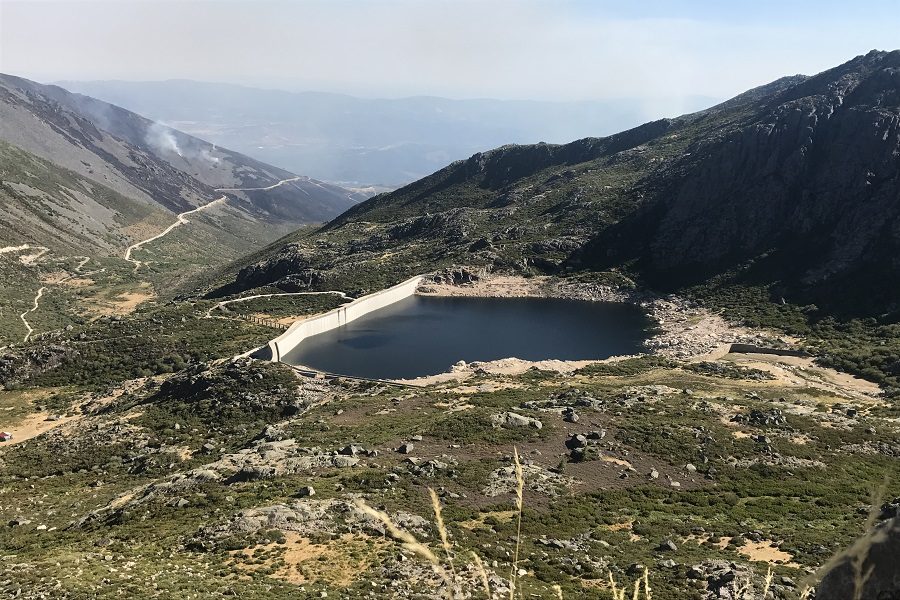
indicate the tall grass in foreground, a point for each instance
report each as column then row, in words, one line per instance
column 456, row 585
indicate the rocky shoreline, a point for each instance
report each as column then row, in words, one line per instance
column 685, row 330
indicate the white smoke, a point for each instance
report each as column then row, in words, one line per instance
column 206, row 155
column 161, row 138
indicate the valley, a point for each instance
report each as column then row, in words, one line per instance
column 731, row 443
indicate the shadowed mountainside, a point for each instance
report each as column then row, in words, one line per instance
column 794, row 183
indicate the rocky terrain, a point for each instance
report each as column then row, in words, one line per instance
column 234, row 477
column 151, row 458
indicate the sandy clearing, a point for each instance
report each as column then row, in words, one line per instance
column 503, row 366
column 504, row 286
column 804, row 372
column 337, row 563
column 126, row 302
column 33, row 426
column 767, row 551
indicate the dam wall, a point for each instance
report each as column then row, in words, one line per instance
column 342, row 315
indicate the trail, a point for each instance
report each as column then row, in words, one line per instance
column 29, row 259
column 182, row 220
column 8, row 249
column 78, row 270
column 244, row 299
column 262, row 189
column 37, row 299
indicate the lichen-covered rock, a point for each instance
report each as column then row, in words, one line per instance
column 511, row 419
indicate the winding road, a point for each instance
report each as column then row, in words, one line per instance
column 265, row 189
column 37, row 299
column 181, row 220
column 244, row 299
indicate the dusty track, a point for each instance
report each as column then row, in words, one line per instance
column 181, row 220
column 265, row 189
column 226, row 302
column 37, row 299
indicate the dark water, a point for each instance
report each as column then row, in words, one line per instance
column 426, row 335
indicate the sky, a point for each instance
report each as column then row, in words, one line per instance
column 650, row 50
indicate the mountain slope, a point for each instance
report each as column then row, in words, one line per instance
column 799, row 178
column 146, row 161
column 102, row 209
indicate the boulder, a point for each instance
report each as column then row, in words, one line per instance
column 306, row 491
column 511, row 419
column 576, row 441
column 879, row 550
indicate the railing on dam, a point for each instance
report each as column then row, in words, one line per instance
column 264, row 321
column 342, row 315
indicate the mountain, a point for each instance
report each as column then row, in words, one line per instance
column 147, row 162
column 795, row 184
column 363, row 141
column 83, row 180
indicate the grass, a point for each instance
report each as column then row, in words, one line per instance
column 226, row 407
column 455, row 586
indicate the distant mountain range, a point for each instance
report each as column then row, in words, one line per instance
column 358, row 141
column 81, row 175
column 794, row 185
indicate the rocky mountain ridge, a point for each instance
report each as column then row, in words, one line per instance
column 795, row 184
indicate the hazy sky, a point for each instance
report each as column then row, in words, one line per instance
column 653, row 50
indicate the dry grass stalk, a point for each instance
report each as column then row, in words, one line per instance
column 768, row 583
column 740, row 589
column 442, row 529
column 617, row 594
column 482, row 573
column 647, row 594
column 520, row 488
column 409, row 542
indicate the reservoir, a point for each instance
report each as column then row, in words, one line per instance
column 425, row 335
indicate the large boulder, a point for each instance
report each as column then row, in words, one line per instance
column 880, row 552
column 511, row 419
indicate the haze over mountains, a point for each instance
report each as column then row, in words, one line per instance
column 359, row 141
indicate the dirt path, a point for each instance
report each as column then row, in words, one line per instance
column 182, row 220
column 262, row 189
column 37, row 299
column 226, row 302
column 29, row 259
column 8, row 249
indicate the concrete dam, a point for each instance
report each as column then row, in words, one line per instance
column 342, row 315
